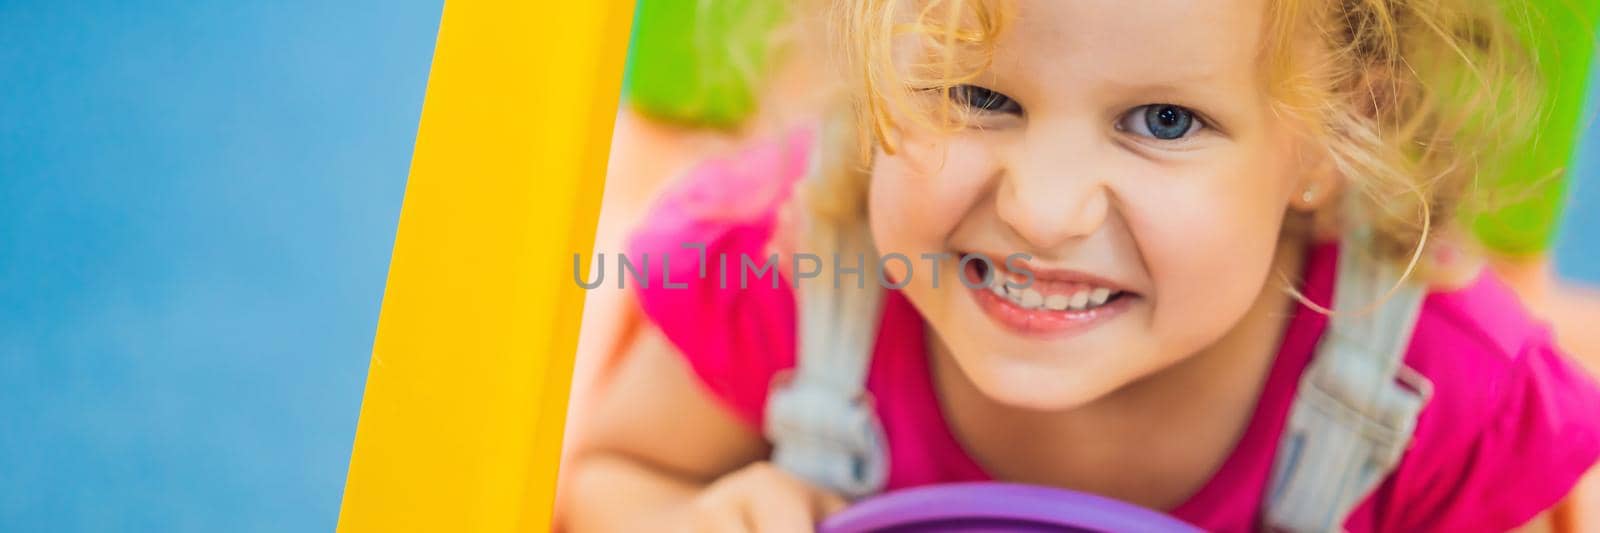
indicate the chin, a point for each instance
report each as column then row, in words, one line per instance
column 1028, row 383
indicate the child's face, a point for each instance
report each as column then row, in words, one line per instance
column 1130, row 149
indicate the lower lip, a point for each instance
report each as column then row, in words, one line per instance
column 1046, row 322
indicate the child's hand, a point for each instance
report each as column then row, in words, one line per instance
column 762, row 498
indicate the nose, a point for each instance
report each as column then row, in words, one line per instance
column 1051, row 196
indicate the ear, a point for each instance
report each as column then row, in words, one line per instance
column 1316, row 193
column 1318, row 186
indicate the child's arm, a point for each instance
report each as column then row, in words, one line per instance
column 660, row 453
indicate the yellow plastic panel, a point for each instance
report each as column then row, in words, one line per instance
column 466, row 394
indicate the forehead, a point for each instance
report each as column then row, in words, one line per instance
column 1134, row 41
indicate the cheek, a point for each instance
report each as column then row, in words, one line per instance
column 915, row 202
column 1208, row 241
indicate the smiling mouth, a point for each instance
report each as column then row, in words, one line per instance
column 1054, row 302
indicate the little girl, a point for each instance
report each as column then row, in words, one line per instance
column 1185, row 254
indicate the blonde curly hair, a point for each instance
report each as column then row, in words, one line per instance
column 1410, row 99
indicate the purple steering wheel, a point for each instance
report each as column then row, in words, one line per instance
column 997, row 508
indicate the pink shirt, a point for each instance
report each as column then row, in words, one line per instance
column 1511, row 427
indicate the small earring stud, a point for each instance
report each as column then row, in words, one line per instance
column 1309, row 195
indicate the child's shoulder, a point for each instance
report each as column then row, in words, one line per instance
column 1480, row 347
column 1484, row 317
column 739, row 192
column 1511, row 423
column 714, row 288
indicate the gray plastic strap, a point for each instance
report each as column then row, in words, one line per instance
column 820, row 419
column 1357, row 403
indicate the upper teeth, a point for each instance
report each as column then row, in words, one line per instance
column 1086, row 297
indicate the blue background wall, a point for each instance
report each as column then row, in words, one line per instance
column 197, row 205
column 1577, row 252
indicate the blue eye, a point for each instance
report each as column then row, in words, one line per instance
column 1160, row 121
column 982, row 99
